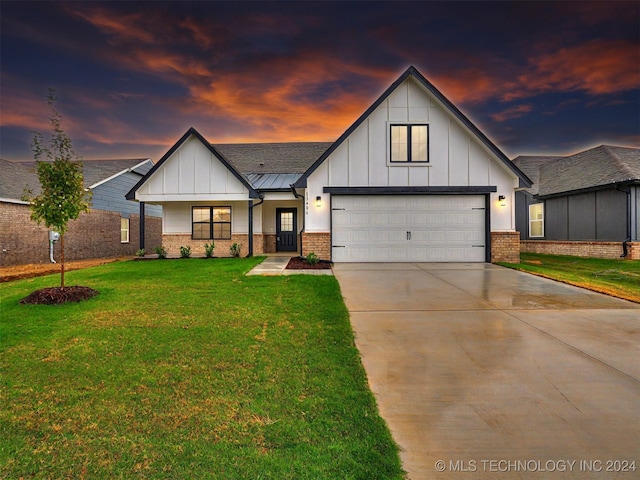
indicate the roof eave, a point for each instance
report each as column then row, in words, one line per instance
column 192, row 131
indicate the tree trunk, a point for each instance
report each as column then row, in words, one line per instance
column 62, row 261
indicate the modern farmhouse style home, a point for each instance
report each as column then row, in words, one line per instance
column 411, row 180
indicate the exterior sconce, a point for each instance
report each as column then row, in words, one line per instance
column 318, row 201
column 503, row 200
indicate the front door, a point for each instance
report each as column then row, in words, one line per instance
column 286, row 237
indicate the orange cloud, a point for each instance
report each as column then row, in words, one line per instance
column 512, row 112
column 596, row 67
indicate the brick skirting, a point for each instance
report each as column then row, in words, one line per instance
column 581, row 248
column 318, row 243
column 172, row 243
column 505, row 247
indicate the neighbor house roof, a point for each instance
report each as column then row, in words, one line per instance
column 590, row 169
column 17, row 175
column 415, row 74
column 530, row 165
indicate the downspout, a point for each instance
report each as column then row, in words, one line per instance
column 251, row 205
column 625, row 248
column 304, row 214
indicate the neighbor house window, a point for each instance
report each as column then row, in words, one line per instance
column 536, row 220
column 409, row 143
column 211, row 223
column 124, row 230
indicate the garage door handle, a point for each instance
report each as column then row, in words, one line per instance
column 482, row 246
column 408, row 235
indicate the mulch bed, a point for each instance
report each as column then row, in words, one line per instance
column 57, row 295
column 299, row 263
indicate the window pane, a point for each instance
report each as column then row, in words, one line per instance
column 201, row 214
column 222, row 214
column 124, row 230
column 286, row 221
column 419, row 143
column 399, row 143
column 536, row 220
column 535, row 228
column 222, row 231
column 201, row 231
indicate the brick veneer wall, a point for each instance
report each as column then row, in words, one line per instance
column 581, row 248
column 93, row 235
column 318, row 243
column 505, row 247
column 172, row 243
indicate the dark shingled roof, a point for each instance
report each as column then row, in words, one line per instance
column 530, row 165
column 15, row 175
column 272, row 157
column 596, row 167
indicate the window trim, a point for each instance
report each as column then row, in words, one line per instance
column 541, row 220
column 211, row 222
column 408, row 126
column 128, row 230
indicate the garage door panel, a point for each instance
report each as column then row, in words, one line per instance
column 430, row 228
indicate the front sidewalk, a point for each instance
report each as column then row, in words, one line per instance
column 273, row 266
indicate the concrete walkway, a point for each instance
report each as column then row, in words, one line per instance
column 277, row 266
column 484, row 372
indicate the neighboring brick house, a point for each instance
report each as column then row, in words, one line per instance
column 110, row 229
column 586, row 204
column 413, row 179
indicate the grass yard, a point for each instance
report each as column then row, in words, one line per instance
column 187, row 369
column 620, row 278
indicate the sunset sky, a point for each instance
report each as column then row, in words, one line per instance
column 132, row 77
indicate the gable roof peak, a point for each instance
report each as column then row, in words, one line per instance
column 413, row 71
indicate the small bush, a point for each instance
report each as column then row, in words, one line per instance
column 208, row 249
column 161, row 251
column 141, row 253
column 235, row 249
column 312, row 258
column 185, row 252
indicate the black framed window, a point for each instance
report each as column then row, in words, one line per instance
column 211, row 223
column 409, row 143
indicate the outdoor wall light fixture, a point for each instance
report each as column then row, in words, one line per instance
column 318, row 201
column 503, row 200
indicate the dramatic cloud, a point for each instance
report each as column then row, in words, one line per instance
column 512, row 112
column 596, row 67
column 139, row 74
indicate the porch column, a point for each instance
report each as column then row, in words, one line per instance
column 141, row 225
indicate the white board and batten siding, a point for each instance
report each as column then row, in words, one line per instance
column 408, row 228
column 456, row 157
column 192, row 173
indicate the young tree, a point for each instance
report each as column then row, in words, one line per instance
column 62, row 197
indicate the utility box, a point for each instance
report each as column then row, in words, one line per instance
column 53, row 236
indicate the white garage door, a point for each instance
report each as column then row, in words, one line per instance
column 408, row 228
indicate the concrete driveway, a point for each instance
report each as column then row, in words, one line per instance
column 485, row 372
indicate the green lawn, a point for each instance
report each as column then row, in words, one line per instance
column 187, row 369
column 620, row 278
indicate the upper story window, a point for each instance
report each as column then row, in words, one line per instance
column 211, row 223
column 409, row 143
column 536, row 220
